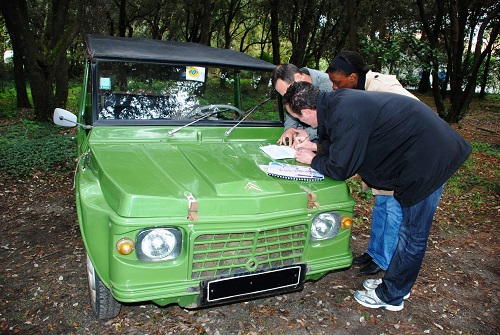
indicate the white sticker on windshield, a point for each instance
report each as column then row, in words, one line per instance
column 105, row 83
column 195, row 73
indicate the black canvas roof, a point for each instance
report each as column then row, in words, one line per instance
column 142, row 49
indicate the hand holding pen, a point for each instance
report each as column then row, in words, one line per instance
column 304, row 143
column 304, row 155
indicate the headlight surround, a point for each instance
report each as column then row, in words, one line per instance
column 158, row 244
column 325, row 226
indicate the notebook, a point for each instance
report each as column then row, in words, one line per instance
column 295, row 172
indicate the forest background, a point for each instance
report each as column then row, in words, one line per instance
column 448, row 47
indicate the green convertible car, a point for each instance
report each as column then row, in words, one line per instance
column 174, row 201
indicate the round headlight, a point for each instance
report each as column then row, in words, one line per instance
column 158, row 244
column 325, row 226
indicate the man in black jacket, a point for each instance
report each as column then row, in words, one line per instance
column 394, row 143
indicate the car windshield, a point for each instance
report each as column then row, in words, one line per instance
column 149, row 91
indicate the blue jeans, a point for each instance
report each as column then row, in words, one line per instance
column 386, row 220
column 410, row 250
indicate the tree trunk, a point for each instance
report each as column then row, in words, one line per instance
column 436, row 92
column 351, row 32
column 424, row 84
column 62, row 83
column 484, row 80
column 8, row 9
column 205, row 22
column 300, row 36
column 275, row 37
column 23, row 100
column 42, row 67
column 122, row 19
column 432, row 33
column 468, row 71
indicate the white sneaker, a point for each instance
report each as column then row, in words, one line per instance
column 371, row 284
column 371, row 300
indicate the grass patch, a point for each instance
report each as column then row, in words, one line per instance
column 486, row 148
column 478, row 172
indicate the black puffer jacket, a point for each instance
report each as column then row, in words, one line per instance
column 392, row 141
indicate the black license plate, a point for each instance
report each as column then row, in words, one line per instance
column 271, row 282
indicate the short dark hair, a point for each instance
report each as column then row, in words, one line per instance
column 284, row 72
column 301, row 95
column 347, row 62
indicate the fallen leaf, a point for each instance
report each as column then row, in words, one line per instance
column 438, row 325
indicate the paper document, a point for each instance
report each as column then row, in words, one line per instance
column 279, row 151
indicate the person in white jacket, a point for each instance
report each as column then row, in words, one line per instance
column 348, row 70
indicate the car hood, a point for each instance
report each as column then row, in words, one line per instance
column 159, row 179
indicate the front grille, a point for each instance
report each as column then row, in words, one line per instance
column 216, row 255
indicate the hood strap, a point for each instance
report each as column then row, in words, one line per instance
column 192, row 208
column 311, row 198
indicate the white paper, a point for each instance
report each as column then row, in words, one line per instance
column 279, row 151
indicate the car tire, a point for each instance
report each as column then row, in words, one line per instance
column 102, row 302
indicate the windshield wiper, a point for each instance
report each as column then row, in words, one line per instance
column 250, row 111
column 173, row 131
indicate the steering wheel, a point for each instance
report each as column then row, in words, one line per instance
column 205, row 111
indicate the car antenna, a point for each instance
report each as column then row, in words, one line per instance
column 250, row 111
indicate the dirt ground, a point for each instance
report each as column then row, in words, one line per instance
column 43, row 281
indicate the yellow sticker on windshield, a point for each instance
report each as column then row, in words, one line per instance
column 195, row 73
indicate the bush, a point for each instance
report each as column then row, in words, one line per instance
column 27, row 147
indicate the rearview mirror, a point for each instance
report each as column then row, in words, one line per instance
column 64, row 118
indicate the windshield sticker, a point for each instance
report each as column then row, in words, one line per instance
column 195, row 73
column 105, row 83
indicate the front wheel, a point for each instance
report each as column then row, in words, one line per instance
column 103, row 304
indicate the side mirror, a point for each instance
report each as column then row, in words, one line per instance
column 64, row 118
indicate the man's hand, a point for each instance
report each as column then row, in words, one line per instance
column 300, row 135
column 304, row 156
column 290, row 135
column 304, row 143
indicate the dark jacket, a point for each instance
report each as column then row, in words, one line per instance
column 392, row 141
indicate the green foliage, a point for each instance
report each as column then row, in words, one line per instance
column 74, row 94
column 27, row 147
column 266, row 56
column 254, row 92
column 355, row 186
column 8, row 103
column 486, row 148
column 476, row 177
column 397, row 55
column 493, row 79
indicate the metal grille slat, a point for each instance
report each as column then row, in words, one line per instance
column 216, row 255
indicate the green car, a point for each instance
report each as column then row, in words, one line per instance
column 174, row 201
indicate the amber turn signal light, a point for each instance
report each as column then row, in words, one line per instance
column 125, row 246
column 346, row 222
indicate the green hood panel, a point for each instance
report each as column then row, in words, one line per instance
column 152, row 179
